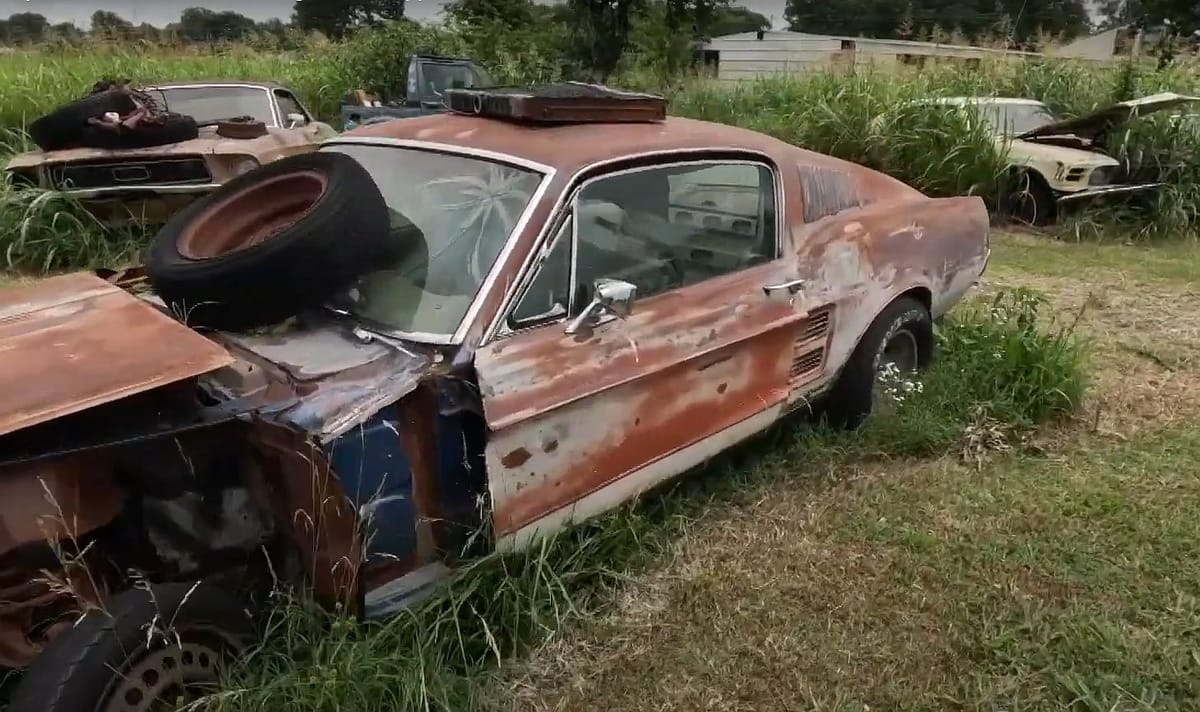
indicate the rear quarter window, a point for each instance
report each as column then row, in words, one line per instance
column 827, row 191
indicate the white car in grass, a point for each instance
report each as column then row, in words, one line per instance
column 1052, row 161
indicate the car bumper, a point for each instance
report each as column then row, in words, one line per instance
column 1106, row 190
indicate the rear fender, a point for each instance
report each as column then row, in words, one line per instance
column 858, row 261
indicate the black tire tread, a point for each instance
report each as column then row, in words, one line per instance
column 72, row 672
column 174, row 128
column 62, row 127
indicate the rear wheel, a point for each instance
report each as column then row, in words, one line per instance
column 898, row 344
column 149, row 651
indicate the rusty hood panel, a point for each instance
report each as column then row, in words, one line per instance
column 1091, row 125
column 207, row 143
column 73, row 342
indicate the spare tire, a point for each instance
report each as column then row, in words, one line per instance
column 272, row 243
column 62, row 127
column 245, row 128
column 171, row 128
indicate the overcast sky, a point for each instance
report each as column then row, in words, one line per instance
column 160, row 12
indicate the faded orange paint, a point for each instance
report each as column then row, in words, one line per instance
column 72, row 342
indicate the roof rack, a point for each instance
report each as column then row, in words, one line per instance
column 565, row 102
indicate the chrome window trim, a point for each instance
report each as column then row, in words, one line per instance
column 496, row 329
column 547, row 172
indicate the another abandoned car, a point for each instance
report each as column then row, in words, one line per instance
column 1054, row 162
column 430, row 339
column 145, row 168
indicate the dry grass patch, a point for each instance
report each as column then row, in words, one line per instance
column 1141, row 310
column 1033, row 584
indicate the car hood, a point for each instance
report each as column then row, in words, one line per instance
column 76, row 341
column 207, row 142
column 1075, row 157
column 1098, row 122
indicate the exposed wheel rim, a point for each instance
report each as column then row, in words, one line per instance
column 252, row 216
column 157, row 680
column 901, row 353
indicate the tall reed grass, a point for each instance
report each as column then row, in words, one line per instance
column 862, row 116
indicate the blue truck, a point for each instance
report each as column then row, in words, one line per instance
column 428, row 77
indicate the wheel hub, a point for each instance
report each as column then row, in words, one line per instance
column 900, row 353
column 162, row 678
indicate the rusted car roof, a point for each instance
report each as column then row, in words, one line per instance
column 572, row 146
column 72, row 342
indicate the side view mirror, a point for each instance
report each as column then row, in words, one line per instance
column 294, row 120
column 613, row 297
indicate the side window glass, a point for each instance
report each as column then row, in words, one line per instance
column 288, row 105
column 548, row 295
column 670, row 227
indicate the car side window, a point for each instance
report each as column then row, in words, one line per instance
column 548, row 296
column 288, row 105
column 668, row 227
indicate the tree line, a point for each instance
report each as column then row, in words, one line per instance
column 601, row 29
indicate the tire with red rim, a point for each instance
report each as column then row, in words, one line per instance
column 272, row 243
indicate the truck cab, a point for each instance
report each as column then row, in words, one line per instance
column 429, row 76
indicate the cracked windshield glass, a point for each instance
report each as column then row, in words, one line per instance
column 452, row 215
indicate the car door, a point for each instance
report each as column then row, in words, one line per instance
column 579, row 422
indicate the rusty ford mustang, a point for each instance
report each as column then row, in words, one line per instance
column 342, row 367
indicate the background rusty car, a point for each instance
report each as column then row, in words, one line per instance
column 147, row 185
column 602, row 307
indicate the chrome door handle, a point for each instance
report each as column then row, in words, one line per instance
column 792, row 287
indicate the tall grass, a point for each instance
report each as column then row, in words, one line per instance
column 864, row 117
column 1002, row 358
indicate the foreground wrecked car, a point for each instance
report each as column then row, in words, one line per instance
column 1054, row 162
column 427, row 330
column 197, row 136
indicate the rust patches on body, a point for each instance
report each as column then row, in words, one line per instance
column 645, row 388
column 73, row 342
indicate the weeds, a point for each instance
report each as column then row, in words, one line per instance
column 440, row 653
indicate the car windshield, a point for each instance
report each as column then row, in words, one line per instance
column 453, row 215
column 1015, row 119
column 440, row 76
column 211, row 103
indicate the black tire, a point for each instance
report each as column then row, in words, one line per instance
column 62, row 127
column 852, row 397
column 174, row 128
column 271, row 277
column 86, row 667
column 1029, row 200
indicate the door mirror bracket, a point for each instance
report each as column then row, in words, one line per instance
column 612, row 297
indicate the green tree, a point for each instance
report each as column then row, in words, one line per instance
column 337, row 17
column 198, row 24
column 735, row 19
column 1183, row 15
column 26, row 28
column 110, row 24
column 900, row 18
column 492, row 13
